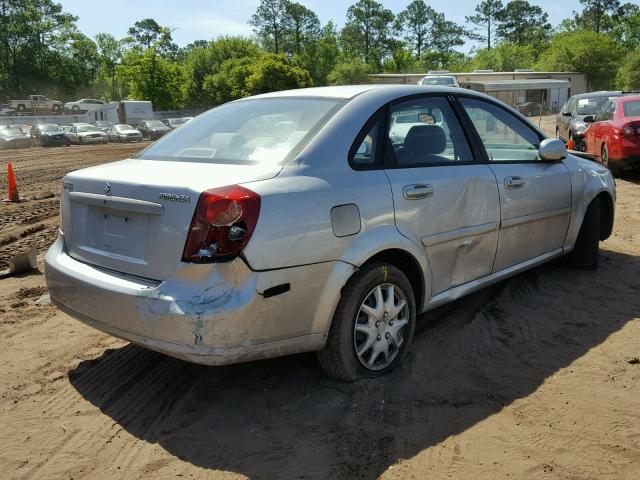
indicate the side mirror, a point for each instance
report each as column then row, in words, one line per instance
column 566, row 114
column 552, row 150
column 589, row 119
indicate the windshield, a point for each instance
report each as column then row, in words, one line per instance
column 50, row 128
column 590, row 106
column 124, row 127
column 156, row 123
column 438, row 81
column 176, row 121
column 103, row 124
column 10, row 132
column 632, row 108
column 267, row 130
column 87, row 129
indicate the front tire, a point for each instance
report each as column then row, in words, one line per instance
column 585, row 252
column 373, row 324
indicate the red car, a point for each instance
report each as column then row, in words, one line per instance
column 613, row 135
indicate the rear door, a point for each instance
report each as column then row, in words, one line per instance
column 535, row 196
column 444, row 199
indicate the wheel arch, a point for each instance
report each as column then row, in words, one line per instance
column 607, row 213
column 408, row 264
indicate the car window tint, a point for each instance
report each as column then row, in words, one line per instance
column 425, row 131
column 365, row 154
column 631, row 108
column 505, row 137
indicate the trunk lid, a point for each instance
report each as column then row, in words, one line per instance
column 133, row 216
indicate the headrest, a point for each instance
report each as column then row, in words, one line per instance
column 422, row 139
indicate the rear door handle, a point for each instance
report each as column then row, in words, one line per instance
column 417, row 191
column 513, row 183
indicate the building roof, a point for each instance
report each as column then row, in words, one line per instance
column 521, row 84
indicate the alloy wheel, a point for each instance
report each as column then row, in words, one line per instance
column 378, row 332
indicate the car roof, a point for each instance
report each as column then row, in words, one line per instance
column 351, row 91
column 629, row 98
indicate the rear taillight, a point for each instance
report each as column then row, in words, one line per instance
column 630, row 130
column 222, row 224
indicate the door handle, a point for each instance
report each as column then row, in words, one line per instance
column 417, row 191
column 513, row 183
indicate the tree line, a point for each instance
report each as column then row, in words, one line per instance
column 44, row 52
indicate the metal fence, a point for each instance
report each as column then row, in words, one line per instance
column 36, row 119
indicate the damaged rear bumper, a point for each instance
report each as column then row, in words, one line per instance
column 212, row 314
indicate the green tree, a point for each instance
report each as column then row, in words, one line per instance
column 242, row 77
column 150, row 57
column 628, row 77
column 597, row 15
column 626, row 30
column 303, row 27
column 206, row 59
column 505, row 57
column 415, row 23
column 367, row 32
column 27, row 30
column 585, row 51
column 485, row 20
column 350, row 73
column 446, row 34
column 109, row 56
column 271, row 23
column 522, row 23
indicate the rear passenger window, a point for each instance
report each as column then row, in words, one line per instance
column 424, row 132
column 364, row 155
column 505, row 137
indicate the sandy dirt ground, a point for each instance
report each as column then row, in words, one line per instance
column 532, row 378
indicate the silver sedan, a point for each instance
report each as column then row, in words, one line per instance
column 82, row 134
column 320, row 220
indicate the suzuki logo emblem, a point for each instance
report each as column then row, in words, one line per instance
column 107, row 188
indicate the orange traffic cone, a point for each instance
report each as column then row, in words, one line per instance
column 570, row 145
column 12, row 196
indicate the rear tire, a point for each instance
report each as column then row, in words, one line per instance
column 351, row 353
column 585, row 251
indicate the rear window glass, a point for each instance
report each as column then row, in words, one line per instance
column 632, row 108
column 438, row 81
column 255, row 131
column 589, row 106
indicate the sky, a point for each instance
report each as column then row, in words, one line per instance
column 208, row 19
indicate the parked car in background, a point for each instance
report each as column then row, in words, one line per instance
column 437, row 79
column 124, row 133
column 85, row 134
column 613, row 136
column 104, row 125
column 84, row 105
column 532, row 109
column 48, row 134
column 174, row 122
column 18, row 126
column 13, row 138
column 570, row 124
column 237, row 238
column 36, row 104
column 153, row 129
column 5, row 109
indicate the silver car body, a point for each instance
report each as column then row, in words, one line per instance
column 456, row 228
column 86, row 134
column 124, row 133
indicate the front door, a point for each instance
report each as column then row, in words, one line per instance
column 535, row 196
column 444, row 199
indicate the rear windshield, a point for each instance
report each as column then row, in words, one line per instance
column 438, row 81
column 255, row 131
column 591, row 105
column 632, row 108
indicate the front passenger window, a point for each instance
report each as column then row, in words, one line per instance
column 506, row 138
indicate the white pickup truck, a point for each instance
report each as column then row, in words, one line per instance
column 36, row 104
